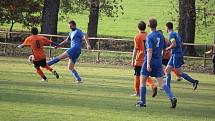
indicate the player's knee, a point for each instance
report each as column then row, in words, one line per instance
column 167, row 71
column 70, row 68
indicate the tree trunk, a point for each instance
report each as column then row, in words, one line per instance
column 50, row 16
column 187, row 19
column 93, row 21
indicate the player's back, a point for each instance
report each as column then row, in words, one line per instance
column 37, row 44
column 155, row 41
column 139, row 44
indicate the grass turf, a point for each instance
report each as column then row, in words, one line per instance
column 104, row 95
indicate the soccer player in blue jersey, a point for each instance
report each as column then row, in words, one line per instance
column 176, row 59
column 75, row 38
column 152, row 65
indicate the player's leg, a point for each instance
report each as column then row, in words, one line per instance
column 137, row 70
column 42, row 75
column 152, row 85
column 168, row 70
column 143, row 78
column 188, row 78
column 168, row 75
column 37, row 65
column 54, row 72
column 47, row 67
column 71, row 66
column 142, row 102
column 57, row 59
column 167, row 91
column 177, row 75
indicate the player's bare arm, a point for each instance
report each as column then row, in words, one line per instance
column 85, row 37
column 149, row 57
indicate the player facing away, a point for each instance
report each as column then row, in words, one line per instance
column 152, row 65
column 176, row 59
column 75, row 38
column 166, row 57
column 37, row 43
column 137, row 59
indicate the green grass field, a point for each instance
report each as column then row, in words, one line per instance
column 125, row 25
column 104, row 95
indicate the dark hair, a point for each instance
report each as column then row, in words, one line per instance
column 169, row 25
column 160, row 31
column 152, row 23
column 142, row 25
column 34, row 30
column 72, row 22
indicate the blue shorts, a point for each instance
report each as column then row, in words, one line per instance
column 176, row 61
column 73, row 53
column 156, row 66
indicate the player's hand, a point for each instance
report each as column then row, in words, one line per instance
column 149, row 69
column 55, row 47
column 167, row 49
column 132, row 63
column 20, row 46
column 88, row 47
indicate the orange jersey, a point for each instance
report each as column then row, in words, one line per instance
column 167, row 54
column 37, row 43
column 139, row 44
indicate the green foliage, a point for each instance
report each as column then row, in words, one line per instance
column 109, row 8
column 205, row 16
column 25, row 12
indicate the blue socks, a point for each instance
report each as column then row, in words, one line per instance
column 188, row 78
column 168, row 91
column 53, row 61
column 75, row 74
column 143, row 95
column 168, row 79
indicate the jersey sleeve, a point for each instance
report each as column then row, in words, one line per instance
column 136, row 42
column 81, row 34
column 171, row 38
column 149, row 44
column 45, row 41
column 27, row 42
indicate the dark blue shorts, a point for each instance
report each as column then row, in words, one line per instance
column 156, row 66
column 74, row 53
column 176, row 61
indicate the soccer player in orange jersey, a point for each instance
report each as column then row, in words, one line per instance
column 37, row 43
column 138, row 57
column 166, row 57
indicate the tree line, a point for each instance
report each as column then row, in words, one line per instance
column 46, row 13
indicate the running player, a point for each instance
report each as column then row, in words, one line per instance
column 75, row 38
column 176, row 59
column 37, row 43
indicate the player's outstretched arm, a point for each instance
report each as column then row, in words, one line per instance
column 21, row 46
column 63, row 42
column 87, row 41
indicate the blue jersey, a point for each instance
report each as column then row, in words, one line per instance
column 175, row 36
column 155, row 41
column 75, row 38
